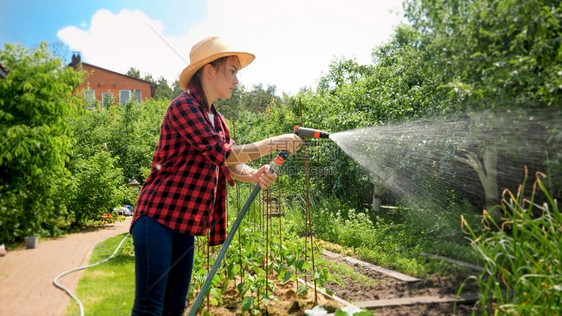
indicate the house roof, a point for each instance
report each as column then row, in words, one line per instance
column 77, row 60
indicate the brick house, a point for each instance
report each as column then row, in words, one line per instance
column 110, row 87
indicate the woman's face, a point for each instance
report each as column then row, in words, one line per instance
column 226, row 77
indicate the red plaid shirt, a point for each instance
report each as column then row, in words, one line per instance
column 186, row 188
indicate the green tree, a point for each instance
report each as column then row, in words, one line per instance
column 111, row 145
column 129, row 133
column 492, row 54
column 163, row 90
column 133, row 72
column 134, row 136
column 148, row 77
column 36, row 99
column 455, row 56
column 176, row 89
column 255, row 100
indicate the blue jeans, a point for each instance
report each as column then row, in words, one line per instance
column 163, row 267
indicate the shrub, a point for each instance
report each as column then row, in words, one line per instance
column 35, row 101
column 95, row 187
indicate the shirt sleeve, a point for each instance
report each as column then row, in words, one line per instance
column 189, row 120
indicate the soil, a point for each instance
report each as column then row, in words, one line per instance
column 384, row 287
column 287, row 304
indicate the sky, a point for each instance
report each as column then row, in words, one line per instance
column 294, row 40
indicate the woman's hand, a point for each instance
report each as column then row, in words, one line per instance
column 248, row 152
column 264, row 178
column 288, row 142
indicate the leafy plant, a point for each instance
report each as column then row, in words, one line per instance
column 95, row 187
column 35, row 101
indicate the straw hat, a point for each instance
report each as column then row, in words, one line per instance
column 206, row 51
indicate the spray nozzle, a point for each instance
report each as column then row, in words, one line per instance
column 304, row 132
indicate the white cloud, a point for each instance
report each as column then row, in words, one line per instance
column 294, row 40
column 123, row 40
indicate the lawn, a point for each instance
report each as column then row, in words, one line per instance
column 108, row 288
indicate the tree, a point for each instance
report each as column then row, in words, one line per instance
column 255, row 100
column 454, row 57
column 36, row 99
column 492, row 54
column 342, row 72
column 95, row 187
column 148, row 77
column 133, row 72
column 129, row 133
column 499, row 52
column 177, row 89
column 163, row 91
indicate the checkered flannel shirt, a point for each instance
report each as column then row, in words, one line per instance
column 186, row 188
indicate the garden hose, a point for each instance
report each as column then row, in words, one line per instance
column 68, row 291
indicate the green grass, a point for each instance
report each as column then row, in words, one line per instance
column 108, row 288
column 338, row 270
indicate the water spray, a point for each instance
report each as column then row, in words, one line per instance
column 274, row 167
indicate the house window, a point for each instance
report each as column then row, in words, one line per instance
column 90, row 98
column 106, row 99
column 137, row 95
column 125, row 95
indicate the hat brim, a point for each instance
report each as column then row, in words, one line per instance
column 187, row 73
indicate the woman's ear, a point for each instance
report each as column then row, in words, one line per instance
column 209, row 71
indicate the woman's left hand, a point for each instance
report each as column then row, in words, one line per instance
column 264, row 177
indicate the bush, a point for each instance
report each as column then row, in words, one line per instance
column 35, row 102
column 129, row 133
column 95, row 188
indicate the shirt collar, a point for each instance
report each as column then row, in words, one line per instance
column 197, row 96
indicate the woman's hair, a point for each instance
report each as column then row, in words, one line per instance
column 196, row 79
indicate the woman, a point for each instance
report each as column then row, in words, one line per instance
column 185, row 193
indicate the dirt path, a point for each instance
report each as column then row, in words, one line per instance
column 26, row 275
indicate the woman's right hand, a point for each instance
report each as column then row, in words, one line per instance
column 288, row 142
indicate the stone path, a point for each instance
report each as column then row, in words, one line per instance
column 26, row 275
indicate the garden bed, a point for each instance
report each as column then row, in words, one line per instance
column 384, row 287
column 288, row 302
column 421, row 297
